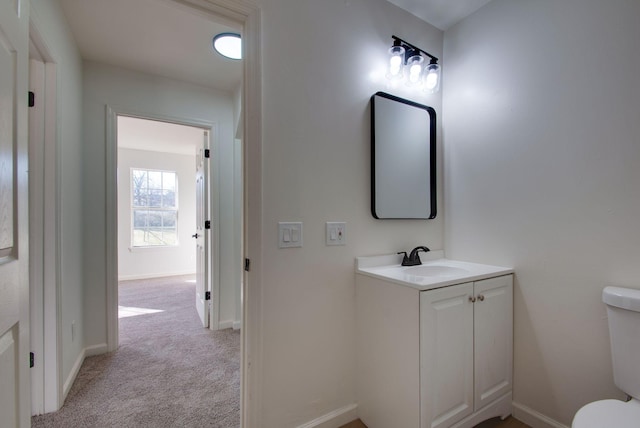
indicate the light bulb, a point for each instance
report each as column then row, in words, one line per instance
column 414, row 64
column 414, row 73
column 432, row 78
column 396, row 58
column 395, row 65
column 431, row 81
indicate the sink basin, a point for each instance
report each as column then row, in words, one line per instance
column 435, row 270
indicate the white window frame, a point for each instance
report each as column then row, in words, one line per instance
column 133, row 208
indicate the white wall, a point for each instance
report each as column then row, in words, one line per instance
column 317, row 57
column 541, row 147
column 152, row 95
column 134, row 263
column 51, row 23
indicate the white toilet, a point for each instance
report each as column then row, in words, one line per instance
column 623, row 310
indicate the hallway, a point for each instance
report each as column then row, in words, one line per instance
column 168, row 371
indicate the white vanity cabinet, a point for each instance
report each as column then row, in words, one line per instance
column 466, row 343
column 434, row 358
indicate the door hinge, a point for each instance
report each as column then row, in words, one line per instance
column 207, row 295
column 32, row 359
column 207, row 153
column 32, row 99
column 207, row 224
column 247, row 265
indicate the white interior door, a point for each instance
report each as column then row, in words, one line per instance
column 203, row 274
column 15, row 409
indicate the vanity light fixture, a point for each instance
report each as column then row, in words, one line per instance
column 228, row 45
column 406, row 60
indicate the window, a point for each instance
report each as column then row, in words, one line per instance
column 154, row 208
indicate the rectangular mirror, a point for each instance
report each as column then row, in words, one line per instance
column 403, row 158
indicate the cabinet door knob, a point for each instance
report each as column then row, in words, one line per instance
column 472, row 299
column 481, row 298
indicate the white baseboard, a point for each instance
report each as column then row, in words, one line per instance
column 334, row 419
column 86, row 352
column 236, row 325
column 533, row 418
column 101, row 348
column 225, row 324
column 72, row 375
column 152, row 275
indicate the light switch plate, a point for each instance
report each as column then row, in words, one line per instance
column 336, row 233
column 289, row 234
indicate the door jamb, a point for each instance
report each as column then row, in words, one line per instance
column 48, row 289
column 37, row 86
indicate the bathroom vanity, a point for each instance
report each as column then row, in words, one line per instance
column 434, row 342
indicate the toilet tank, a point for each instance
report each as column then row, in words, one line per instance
column 623, row 310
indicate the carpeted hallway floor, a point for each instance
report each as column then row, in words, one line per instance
column 168, row 371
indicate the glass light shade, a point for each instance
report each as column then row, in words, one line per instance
column 414, row 67
column 396, row 60
column 432, row 78
column 228, row 45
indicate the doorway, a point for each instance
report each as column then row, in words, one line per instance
column 179, row 199
column 247, row 16
column 250, row 129
column 169, row 204
column 161, row 203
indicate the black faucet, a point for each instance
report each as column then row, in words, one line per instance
column 413, row 259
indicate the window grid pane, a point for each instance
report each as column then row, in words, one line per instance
column 154, row 208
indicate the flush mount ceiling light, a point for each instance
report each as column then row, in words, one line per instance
column 406, row 61
column 228, row 45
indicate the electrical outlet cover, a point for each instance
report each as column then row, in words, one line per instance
column 336, row 233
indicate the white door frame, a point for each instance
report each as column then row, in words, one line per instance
column 36, row 227
column 47, row 394
column 249, row 16
column 204, row 245
column 112, row 213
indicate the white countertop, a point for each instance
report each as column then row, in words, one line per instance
column 436, row 270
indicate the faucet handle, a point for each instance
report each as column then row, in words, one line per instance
column 405, row 259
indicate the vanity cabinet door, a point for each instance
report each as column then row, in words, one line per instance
column 493, row 323
column 446, row 355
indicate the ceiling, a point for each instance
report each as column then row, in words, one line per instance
column 164, row 38
column 152, row 36
column 441, row 14
column 150, row 135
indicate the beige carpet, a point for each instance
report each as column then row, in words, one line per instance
column 168, row 371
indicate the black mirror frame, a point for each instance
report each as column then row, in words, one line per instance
column 432, row 154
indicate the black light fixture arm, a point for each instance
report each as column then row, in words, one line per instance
column 399, row 42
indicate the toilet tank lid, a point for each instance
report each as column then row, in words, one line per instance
column 625, row 298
